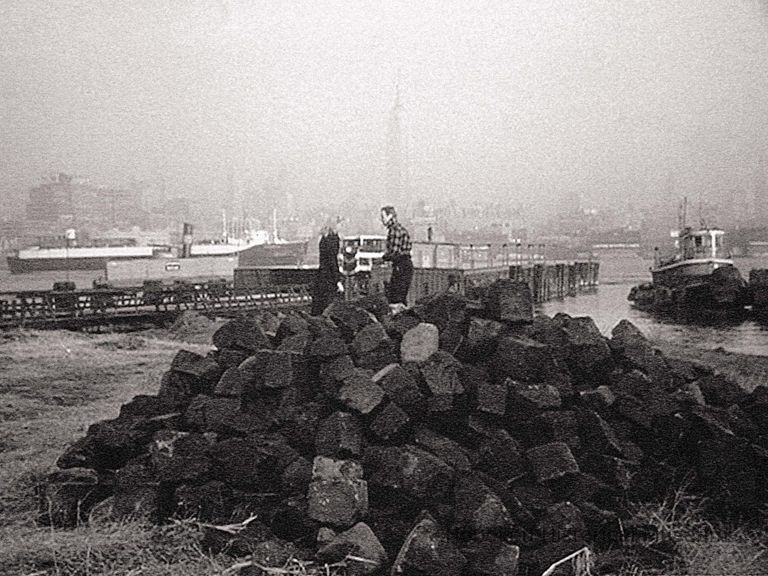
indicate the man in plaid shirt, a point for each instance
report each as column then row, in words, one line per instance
column 398, row 251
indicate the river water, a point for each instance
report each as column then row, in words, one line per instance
column 607, row 305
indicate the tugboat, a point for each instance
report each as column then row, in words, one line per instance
column 700, row 274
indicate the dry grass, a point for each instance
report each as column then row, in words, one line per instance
column 703, row 547
column 53, row 385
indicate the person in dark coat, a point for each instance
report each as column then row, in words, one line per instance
column 328, row 280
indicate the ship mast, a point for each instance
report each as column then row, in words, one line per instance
column 682, row 214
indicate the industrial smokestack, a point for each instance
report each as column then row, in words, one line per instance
column 186, row 240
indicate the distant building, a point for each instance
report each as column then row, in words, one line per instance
column 396, row 185
column 64, row 201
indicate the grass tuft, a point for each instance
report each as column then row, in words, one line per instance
column 702, row 546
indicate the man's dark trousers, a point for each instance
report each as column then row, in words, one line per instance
column 400, row 283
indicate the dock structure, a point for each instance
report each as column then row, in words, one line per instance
column 148, row 304
column 464, row 270
column 555, row 280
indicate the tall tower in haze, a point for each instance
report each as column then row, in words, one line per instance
column 760, row 195
column 396, row 185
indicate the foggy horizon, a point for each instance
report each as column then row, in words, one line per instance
column 524, row 102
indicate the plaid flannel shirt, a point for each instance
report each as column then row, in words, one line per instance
column 398, row 241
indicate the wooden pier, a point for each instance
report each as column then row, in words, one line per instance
column 275, row 288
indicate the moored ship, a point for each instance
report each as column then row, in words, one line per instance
column 37, row 259
column 699, row 273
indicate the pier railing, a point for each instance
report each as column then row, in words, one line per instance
column 82, row 308
column 275, row 288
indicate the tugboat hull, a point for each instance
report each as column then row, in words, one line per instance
column 724, row 288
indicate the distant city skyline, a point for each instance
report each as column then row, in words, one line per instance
column 526, row 102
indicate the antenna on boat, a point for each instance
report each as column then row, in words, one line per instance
column 682, row 213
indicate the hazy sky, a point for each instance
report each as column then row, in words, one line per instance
column 526, row 100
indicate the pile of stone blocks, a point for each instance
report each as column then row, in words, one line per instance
column 452, row 438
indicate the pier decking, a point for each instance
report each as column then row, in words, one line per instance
column 455, row 269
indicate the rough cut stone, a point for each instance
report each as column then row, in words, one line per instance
column 348, row 317
column 337, row 494
column 297, row 343
column 296, row 477
column 326, row 347
column 720, row 391
column 112, row 443
column 492, row 557
column 67, row 496
column 551, row 461
column 589, row 356
column 444, row 310
column 223, row 415
column 178, row 389
column 480, row 341
column 690, row 393
column 291, row 325
column 337, row 369
column 598, row 435
column 539, row 560
column 357, row 542
column 444, row 448
column 581, row 488
column 441, row 374
column 209, row 502
column 273, row 369
column 137, row 491
column 273, row 552
column 528, row 399
column 399, row 324
column 599, row 399
column 635, row 351
column 508, row 300
column 428, row 550
column 370, row 338
column 376, row 304
column 231, row 357
column 247, row 463
column 285, row 369
column 378, row 359
column 291, row 521
column 491, row 398
column 339, row 435
column 615, row 471
column 205, row 368
column 477, row 509
column 562, row 520
column 299, row 424
column 243, row 333
column 401, row 388
column 389, row 423
column 522, row 359
column 361, row 394
column 499, row 456
column 231, row 383
column 179, row 457
column 419, row 343
column 555, row 426
column 408, row 469
column 146, row 406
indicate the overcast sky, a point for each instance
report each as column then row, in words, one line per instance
column 525, row 100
